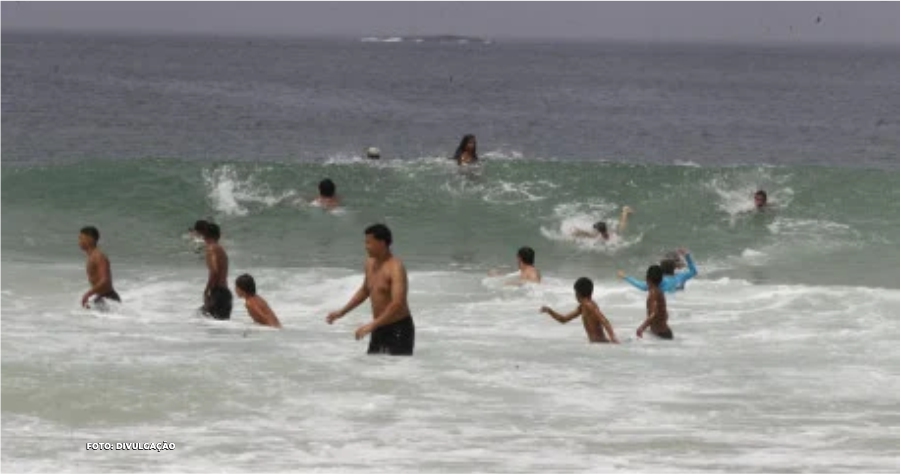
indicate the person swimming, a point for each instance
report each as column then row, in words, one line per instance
column 327, row 198
column 525, row 263
column 599, row 229
column 466, row 151
column 373, row 153
column 760, row 200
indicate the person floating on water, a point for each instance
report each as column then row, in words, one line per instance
column 525, row 262
column 599, row 229
column 327, row 198
column 100, row 276
column 392, row 328
column 257, row 307
column 656, row 306
column 760, row 201
column 217, row 298
column 672, row 281
column 466, row 151
column 592, row 318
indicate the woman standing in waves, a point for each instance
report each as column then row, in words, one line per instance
column 466, row 151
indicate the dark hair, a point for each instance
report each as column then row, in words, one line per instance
column 246, row 284
column 201, row 226
column 212, row 231
column 462, row 146
column 655, row 274
column 668, row 266
column 91, row 232
column 584, row 287
column 601, row 227
column 327, row 188
column 379, row 232
column 527, row 255
column 762, row 193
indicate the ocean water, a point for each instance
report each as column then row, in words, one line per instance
column 786, row 351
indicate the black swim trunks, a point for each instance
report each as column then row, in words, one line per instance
column 110, row 295
column 219, row 303
column 668, row 334
column 394, row 339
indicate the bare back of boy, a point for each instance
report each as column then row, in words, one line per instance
column 260, row 312
column 656, row 307
column 596, row 324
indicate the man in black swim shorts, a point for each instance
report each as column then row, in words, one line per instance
column 217, row 298
column 392, row 330
column 98, row 269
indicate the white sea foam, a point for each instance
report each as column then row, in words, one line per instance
column 758, row 377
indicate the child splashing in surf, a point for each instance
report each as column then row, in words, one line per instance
column 656, row 306
column 592, row 318
column 257, row 307
column 599, row 229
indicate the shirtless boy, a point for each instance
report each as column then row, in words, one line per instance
column 100, row 276
column 592, row 318
column 656, row 306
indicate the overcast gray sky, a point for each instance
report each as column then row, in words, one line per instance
column 856, row 22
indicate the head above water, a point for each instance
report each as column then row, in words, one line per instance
column 246, row 285
column 467, row 144
column 327, row 188
column 760, row 198
column 601, row 227
column 373, row 153
column 584, row 287
column 526, row 256
column 378, row 240
column 88, row 237
column 655, row 275
column 200, row 227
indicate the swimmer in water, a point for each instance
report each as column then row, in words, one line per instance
column 327, row 198
column 257, row 307
column 466, row 151
column 592, row 318
column 760, row 200
column 599, row 229
column 100, row 276
column 525, row 261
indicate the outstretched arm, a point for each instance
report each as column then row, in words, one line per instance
column 562, row 319
column 623, row 219
column 691, row 273
column 356, row 300
column 632, row 281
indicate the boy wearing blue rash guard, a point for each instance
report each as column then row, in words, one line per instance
column 672, row 282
